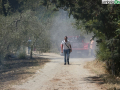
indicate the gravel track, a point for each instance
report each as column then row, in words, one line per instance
column 57, row 76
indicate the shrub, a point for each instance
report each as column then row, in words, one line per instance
column 22, row 55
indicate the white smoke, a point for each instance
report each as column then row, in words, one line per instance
column 62, row 27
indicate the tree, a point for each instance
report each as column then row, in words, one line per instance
column 17, row 27
column 103, row 21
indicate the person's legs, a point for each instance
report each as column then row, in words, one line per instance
column 65, row 52
column 28, row 50
column 92, row 52
column 68, row 52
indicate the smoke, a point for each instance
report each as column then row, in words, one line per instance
column 62, row 26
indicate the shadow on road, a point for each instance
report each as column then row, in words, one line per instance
column 19, row 69
column 94, row 79
column 104, row 79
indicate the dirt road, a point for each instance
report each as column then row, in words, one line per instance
column 57, row 76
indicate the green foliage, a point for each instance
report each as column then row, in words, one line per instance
column 17, row 27
column 103, row 53
column 22, row 55
column 22, row 19
column 103, row 21
column 8, row 7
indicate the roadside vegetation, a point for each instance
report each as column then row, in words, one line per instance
column 24, row 19
column 21, row 21
column 102, row 20
column 103, row 78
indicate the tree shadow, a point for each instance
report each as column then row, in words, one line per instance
column 13, row 64
column 104, row 79
column 16, row 69
column 110, row 79
column 94, row 79
column 13, row 76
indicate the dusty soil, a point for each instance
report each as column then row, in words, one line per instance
column 57, row 76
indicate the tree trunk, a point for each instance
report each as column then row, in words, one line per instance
column 3, row 7
column 113, row 68
column 1, row 57
column 31, row 52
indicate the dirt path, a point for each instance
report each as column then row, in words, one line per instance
column 56, row 76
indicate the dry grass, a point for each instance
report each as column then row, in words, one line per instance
column 18, row 71
column 109, row 82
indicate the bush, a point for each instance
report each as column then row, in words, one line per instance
column 109, row 51
column 103, row 53
column 22, row 55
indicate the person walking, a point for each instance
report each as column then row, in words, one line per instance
column 66, row 49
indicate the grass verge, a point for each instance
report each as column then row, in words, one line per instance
column 109, row 82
